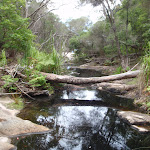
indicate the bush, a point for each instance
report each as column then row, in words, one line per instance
column 3, row 60
column 10, row 83
column 42, row 61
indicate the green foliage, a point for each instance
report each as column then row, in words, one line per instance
column 3, row 60
column 37, row 80
column 17, row 104
column 109, row 62
column 118, row 70
column 74, row 43
column 45, row 62
column 13, row 27
column 146, row 65
column 80, row 57
column 9, row 83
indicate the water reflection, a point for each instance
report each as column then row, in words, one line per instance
column 85, row 72
column 78, row 128
column 81, row 95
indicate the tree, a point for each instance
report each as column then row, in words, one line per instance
column 133, row 17
column 76, row 26
column 49, row 30
column 15, row 34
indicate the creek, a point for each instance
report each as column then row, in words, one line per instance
column 80, row 120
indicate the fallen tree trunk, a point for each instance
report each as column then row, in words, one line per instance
column 79, row 80
column 115, row 87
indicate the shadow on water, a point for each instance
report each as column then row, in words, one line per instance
column 80, row 119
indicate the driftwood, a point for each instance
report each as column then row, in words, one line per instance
column 79, row 80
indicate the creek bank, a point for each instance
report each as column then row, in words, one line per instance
column 10, row 125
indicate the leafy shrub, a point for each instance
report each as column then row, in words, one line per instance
column 38, row 80
column 14, row 28
column 9, row 83
column 146, row 65
column 3, row 60
column 118, row 70
column 45, row 62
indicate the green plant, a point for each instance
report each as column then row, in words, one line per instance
column 17, row 104
column 146, row 65
column 9, row 83
column 15, row 34
column 3, row 60
column 118, row 70
column 108, row 62
column 38, row 80
column 43, row 61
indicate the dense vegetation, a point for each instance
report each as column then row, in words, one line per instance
column 32, row 36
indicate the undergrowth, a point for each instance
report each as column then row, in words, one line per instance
column 43, row 61
column 3, row 60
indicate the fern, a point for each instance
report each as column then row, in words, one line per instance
column 10, row 83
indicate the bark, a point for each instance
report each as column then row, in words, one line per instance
column 79, row 80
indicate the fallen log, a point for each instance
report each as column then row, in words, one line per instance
column 115, row 87
column 79, row 80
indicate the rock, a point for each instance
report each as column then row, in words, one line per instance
column 138, row 120
column 38, row 93
column 11, row 125
column 134, row 118
column 115, row 87
column 14, row 126
column 5, row 144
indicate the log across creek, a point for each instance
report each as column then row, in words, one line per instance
column 82, row 80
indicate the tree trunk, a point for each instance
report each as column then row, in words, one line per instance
column 79, row 80
column 115, row 87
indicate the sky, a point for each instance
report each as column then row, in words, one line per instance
column 70, row 9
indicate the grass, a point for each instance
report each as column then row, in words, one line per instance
column 17, row 104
